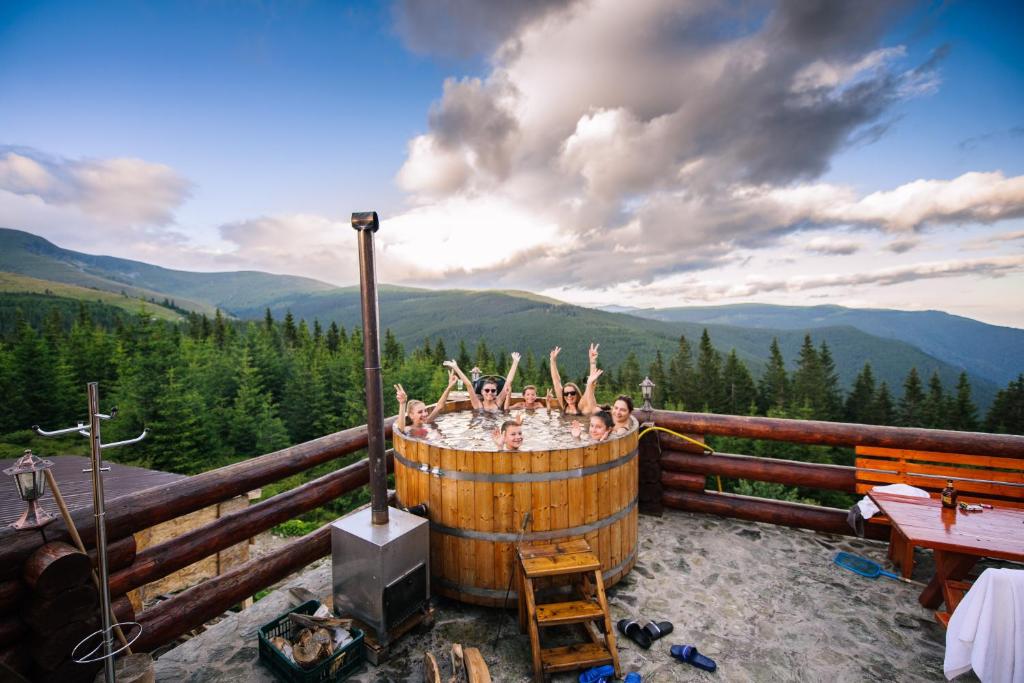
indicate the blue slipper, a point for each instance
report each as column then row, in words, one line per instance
column 598, row 674
column 690, row 655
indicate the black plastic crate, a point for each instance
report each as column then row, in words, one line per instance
column 337, row 667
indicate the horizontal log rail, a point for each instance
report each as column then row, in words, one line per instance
column 838, row 433
column 143, row 509
column 189, row 609
column 158, row 561
column 785, row 513
column 789, row 472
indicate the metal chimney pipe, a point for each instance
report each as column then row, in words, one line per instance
column 366, row 223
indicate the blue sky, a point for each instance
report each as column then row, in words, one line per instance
column 653, row 153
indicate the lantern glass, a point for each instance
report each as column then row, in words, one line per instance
column 30, row 484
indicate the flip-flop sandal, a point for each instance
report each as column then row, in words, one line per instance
column 657, row 629
column 690, row 655
column 598, row 674
column 632, row 630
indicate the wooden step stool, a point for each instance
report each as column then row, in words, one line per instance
column 574, row 559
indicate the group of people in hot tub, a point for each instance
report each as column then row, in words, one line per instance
column 605, row 420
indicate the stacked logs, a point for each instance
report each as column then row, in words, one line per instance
column 47, row 611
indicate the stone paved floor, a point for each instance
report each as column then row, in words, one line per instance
column 766, row 602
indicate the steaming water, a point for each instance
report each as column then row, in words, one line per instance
column 472, row 431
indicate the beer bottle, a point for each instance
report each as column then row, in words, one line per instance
column 949, row 495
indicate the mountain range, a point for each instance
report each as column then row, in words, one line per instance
column 893, row 341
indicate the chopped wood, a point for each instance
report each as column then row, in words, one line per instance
column 476, row 667
column 431, row 672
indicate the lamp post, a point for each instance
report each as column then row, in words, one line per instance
column 29, row 474
column 647, row 390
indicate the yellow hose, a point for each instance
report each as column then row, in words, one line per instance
column 708, row 450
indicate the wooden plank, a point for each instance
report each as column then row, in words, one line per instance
column 559, row 491
column 579, row 656
column 1007, row 494
column 557, row 565
column 984, row 461
column 466, row 517
column 541, row 491
column 604, row 508
column 436, row 513
column 504, row 521
column 914, row 467
column 572, row 612
column 476, row 667
column 423, row 478
column 574, row 490
column 522, row 492
column 590, row 503
column 617, row 492
column 450, row 514
column 484, row 515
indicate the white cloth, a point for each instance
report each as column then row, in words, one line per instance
column 868, row 509
column 986, row 632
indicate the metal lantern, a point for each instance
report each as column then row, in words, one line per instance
column 647, row 390
column 30, row 476
column 475, row 374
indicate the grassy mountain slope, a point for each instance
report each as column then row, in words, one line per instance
column 27, row 254
column 22, row 284
column 511, row 322
column 990, row 351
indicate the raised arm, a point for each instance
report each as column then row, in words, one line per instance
column 403, row 398
column 506, row 391
column 588, row 402
column 473, row 398
column 556, row 379
column 439, row 406
column 593, row 357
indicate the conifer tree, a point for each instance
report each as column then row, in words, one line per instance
column 709, row 375
column 254, row 427
column 773, row 389
column 934, row 408
column 807, row 379
column 394, row 354
column 288, row 330
column 483, row 360
column 912, row 402
column 884, row 410
column 318, row 332
column 220, row 330
column 463, row 359
column 629, row 375
column 859, row 403
column 178, row 441
column 426, row 351
column 831, row 395
column 501, row 361
column 333, row 337
column 440, row 352
column 1006, row 416
column 530, row 372
column 682, row 379
column 964, row 416
column 738, row 385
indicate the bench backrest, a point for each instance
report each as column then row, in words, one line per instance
column 977, row 478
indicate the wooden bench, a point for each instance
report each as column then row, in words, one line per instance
column 978, row 479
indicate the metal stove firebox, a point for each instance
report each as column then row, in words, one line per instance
column 380, row 571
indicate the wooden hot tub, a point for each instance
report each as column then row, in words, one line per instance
column 477, row 502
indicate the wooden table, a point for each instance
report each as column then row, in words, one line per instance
column 958, row 539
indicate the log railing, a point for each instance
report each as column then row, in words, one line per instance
column 683, row 470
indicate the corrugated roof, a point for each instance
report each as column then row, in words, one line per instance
column 76, row 486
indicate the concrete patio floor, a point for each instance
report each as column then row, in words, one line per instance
column 766, row 602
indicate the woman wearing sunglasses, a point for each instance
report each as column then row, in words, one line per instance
column 489, row 399
column 571, row 401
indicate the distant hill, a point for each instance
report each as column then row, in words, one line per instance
column 990, row 351
column 11, row 283
column 893, row 341
column 27, row 254
column 511, row 322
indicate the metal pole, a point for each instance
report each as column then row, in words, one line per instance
column 365, row 225
column 99, row 509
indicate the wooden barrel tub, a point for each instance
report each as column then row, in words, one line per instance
column 477, row 502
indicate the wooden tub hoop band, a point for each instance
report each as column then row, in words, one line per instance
column 518, row 477
column 496, row 594
column 513, row 537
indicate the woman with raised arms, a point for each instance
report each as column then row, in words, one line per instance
column 417, row 412
column 570, row 400
column 489, row 400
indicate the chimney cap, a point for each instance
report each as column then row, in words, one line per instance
column 365, row 220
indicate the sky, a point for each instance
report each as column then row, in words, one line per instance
column 651, row 153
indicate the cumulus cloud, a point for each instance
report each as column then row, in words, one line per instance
column 699, row 127
column 126, row 191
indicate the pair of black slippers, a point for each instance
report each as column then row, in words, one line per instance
column 646, row 634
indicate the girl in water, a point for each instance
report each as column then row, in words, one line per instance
column 621, row 410
column 489, row 400
column 570, row 400
column 417, row 411
column 530, row 400
column 600, row 426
